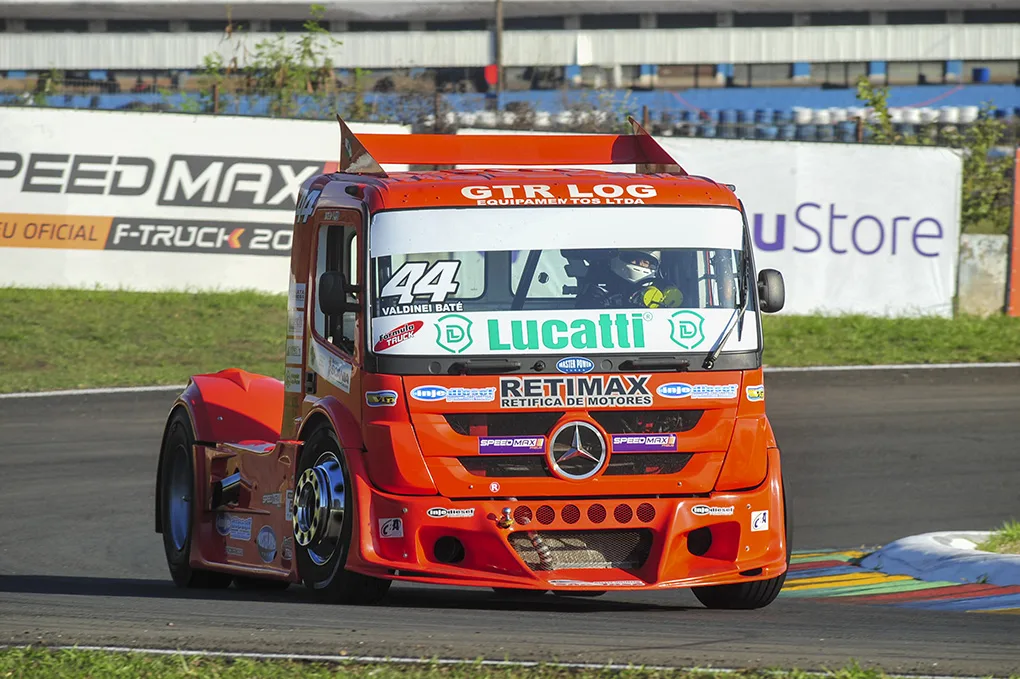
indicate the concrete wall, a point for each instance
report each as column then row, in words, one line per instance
column 982, row 274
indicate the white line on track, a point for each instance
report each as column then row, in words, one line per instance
column 806, row 369
column 365, row 659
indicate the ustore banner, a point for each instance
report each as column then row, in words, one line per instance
column 149, row 201
column 853, row 228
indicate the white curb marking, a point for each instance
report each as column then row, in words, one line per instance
column 90, row 392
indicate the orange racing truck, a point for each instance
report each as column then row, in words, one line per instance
column 526, row 379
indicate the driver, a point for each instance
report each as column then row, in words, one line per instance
column 632, row 281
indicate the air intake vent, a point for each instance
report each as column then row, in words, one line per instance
column 641, row 464
column 583, row 548
column 507, row 466
column 503, row 424
column 647, row 421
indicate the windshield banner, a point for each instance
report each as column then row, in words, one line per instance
column 560, row 332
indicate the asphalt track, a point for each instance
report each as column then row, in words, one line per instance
column 868, row 457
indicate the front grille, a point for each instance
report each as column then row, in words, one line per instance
column 638, row 464
column 535, row 466
column 559, row 550
column 503, row 424
column 647, row 421
column 506, row 466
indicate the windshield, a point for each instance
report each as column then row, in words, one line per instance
column 484, row 281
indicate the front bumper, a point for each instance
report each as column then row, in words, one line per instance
column 606, row 543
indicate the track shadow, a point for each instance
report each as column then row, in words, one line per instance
column 400, row 596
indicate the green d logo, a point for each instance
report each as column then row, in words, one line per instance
column 686, row 330
column 453, row 333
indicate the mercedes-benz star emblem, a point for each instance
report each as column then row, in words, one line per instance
column 578, row 451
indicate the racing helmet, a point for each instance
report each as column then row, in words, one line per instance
column 635, row 266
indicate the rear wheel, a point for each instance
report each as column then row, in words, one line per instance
column 324, row 514
column 177, row 487
column 747, row 595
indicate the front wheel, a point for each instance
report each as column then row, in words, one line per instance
column 748, row 595
column 177, row 484
column 324, row 516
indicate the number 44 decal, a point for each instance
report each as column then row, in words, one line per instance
column 306, row 204
column 417, row 279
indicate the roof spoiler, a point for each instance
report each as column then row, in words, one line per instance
column 364, row 154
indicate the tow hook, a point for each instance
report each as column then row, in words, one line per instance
column 507, row 520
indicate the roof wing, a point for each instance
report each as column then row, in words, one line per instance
column 365, row 154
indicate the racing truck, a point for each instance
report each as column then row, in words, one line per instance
column 534, row 372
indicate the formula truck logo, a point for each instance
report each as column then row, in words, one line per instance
column 156, row 235
column 587, row 391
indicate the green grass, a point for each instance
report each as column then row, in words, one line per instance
column 39, row 663
column 1005, row 540
column 65, row 339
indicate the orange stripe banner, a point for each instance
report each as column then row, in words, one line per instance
column 54, row 231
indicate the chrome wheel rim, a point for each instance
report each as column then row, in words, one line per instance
column 179, row 492
column 319, row 508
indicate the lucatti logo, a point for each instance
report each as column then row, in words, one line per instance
column 398, row 335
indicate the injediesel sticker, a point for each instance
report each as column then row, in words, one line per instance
column 706, row 510
column 444, row 513
column 511, row 445
column 431, row 393
column 588, row 391
column 644, row 443
column 233, row 527
column 684, row 390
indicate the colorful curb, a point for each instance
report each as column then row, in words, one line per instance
column 836, row 575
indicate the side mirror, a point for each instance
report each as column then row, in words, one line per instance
column 771, row 290
column 333, row 291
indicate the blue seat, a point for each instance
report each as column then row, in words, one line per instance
column 847, row 131
column 746, row 115
column 765, row 116
column 806, row 132
column 769, row 132
column 788, row 132
column 784, row 117
column 712, row 115
column 707, row 130
column 826, row 133
column 729, row 116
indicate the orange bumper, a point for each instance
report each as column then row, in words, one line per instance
column 607, row 543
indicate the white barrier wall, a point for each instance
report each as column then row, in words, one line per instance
column 158, row 201
column 147, row 201
column 853, row 228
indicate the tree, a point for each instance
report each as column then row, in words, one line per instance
column 987, row 186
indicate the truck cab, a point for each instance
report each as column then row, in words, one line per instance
column 521, row 377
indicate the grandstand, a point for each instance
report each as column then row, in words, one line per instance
column 721, row 62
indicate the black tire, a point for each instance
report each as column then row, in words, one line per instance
column 749, row 595
column 330, row 580
column 178, row 465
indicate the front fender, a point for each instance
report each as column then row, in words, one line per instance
column 228, row 406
